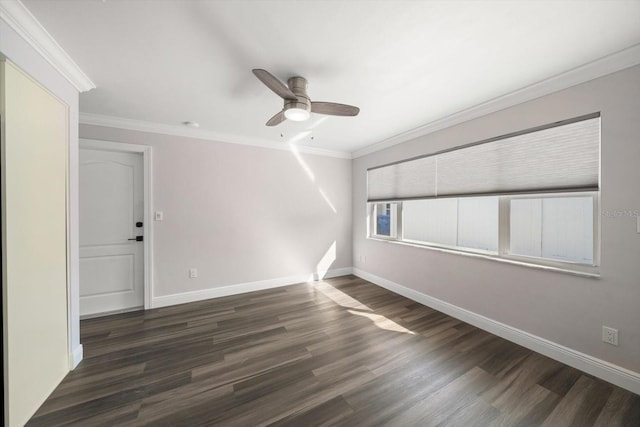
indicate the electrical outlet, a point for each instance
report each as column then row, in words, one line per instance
column 193, row 273
column 159, row 216
column 610, row 335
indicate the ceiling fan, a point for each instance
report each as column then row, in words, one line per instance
column 297, row 105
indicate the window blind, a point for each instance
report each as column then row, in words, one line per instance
column 406, row 180
column 564, row 156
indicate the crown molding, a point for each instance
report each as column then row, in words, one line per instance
column 179, row 130
column 20, row 19
column 609, row 64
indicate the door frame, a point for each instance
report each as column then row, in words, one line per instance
column 147, row 196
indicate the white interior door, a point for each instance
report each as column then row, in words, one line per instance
column 111, row 213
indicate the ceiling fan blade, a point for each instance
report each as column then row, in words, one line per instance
column 274, row 84
column 334, row 109
column 277, row 119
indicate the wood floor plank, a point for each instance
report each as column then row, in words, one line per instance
column 328, row 413
column 336, row 352
column 529, row 407
column 446, row 402
column 582, row 404
column 621, row 409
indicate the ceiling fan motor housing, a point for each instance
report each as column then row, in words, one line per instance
column 298, row 86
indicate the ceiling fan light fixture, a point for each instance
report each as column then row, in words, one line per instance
column 297, row 114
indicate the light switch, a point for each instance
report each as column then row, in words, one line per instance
column 159, row 216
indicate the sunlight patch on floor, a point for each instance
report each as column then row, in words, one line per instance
column 359, row 309
column 382, row 322
column 340, row 297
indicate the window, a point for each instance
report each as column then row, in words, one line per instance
column 468, row 223
column 430, row 221
column 385, row 220
column 554, row 228
column 530, row 196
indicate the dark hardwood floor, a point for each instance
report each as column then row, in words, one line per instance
column 338, row 352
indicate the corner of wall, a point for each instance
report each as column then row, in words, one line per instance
column 76, row 356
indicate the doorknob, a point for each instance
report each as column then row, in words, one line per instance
column 137, row 238
column 139, row 224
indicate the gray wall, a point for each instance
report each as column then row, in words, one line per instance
column 560, row 307
column 240, row 213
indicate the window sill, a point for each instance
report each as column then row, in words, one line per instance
column 592, row 275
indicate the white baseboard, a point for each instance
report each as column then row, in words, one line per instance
column 614, row 374
column 185, row 297
column 76, row 356
column 109, row 313
column 333, row 273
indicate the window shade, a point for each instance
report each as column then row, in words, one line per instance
column 564, row 157
column 406, row 180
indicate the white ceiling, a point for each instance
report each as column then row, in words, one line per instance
column 404, row 63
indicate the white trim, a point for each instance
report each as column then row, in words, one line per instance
column 590, row 272
column 241, row 288
column 333, row 273
column 614, row 374
column 180, row 130
column 76, row 356
column 147, row 165
column 20, row 19
column 110, row 313
column 609, row 64
column 148, row 203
